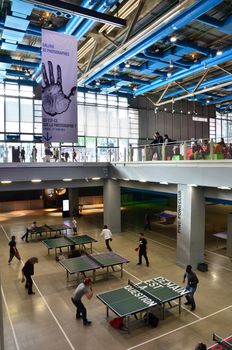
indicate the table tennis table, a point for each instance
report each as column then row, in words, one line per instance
column 220, row 235
column 49, row 229
column 63, row 242
column 92, row 263
column 142, row 297
column 221, row 343
column 166, row 218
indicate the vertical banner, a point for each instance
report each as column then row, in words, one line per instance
column 59, row 81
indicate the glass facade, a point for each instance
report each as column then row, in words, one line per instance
column 106, row 126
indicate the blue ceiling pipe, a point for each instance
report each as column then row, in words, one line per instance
column 196, row 68
column 87, row 24
column 188, row 15
column 195, row 47
column 83, row 26
column 225, row 27
column 124, row 78
column 207, row 83
column 165, row 58
column 6, row 59
column 220, row 100
column 21, row 81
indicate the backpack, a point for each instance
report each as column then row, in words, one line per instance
column 117, row 322
column 153, row 321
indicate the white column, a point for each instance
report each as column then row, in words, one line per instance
column 112, row 202
column 190, row 226
column 229, row 235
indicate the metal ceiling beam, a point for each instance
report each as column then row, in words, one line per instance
column 220, row 100
column 163, row 93
column 201, row 80
column 192, row 94
column 76, row 10
column 136, row 16
column 178, row 17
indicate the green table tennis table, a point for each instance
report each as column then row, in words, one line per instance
column 49, row 229
column 94, row 262
column 137, row 298
column 221, row 343
column 71, row 241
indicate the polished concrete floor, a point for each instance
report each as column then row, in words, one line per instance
column 46, row 320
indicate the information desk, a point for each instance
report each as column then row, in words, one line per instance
column 141, row 297
column 72, row 241
column 92, row 263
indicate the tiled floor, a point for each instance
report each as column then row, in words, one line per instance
column 46, row 320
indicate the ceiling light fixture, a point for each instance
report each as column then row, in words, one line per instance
column 219, row 52
column 96, row 178
column 127, row 65
column 192, row 185
column 163, row 183
column 169, row 74
column 126, row 179
column 36, row 180
column 142, row 180
column 67, row 179
column 97, row 82
column 173, row 38
column 6, row 182
column 170, row 64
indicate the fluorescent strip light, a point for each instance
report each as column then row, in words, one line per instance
column 224, row 188
column 36, row 180
column 96, row 178
column 67, row 179
column 114, row 178
column 142, row 180
column 163, row 183
column 126, row 179
column 192, row 185
column 6, row 182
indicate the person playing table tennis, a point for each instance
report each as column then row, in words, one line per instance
column 142, row 249
column 83, row 288
column 192, row 282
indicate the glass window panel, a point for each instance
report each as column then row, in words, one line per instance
column 102, row 142
column 2, row 114
column 26, row 91
column 2, row 90
column 80, row 96
column 103, row 121
column 12, row 127
column 12, row 89
column 26, row 137
column 224, row 129
column 26, row 110
column 112, row 100
column 81, row 120
column 26, row 127
column 81, row 141
column 91, row 120
column 12, row 109
column 90, row 98
column 101, row 99
column 38, row 128
column 123, row 123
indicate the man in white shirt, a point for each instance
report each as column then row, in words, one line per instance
column 29, row 229
column 107, row 236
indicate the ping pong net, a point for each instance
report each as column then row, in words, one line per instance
column 141, row 290
column 225, row 345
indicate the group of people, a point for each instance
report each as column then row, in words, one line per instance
column 84, row 288
column 156, row 148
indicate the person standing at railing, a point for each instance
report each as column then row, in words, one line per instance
column 158, row 140
column 34, row 154
column 131, row 153
column 168, row 148
column 22, row 154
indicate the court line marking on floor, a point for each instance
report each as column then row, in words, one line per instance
column 179, row 328
column 10, row 320
column 48, row 307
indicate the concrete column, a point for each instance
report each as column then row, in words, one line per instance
column 190, row 226
column 112, row 202
column 229, row 235
column 73, row 195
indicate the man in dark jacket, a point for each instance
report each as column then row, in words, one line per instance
column 142, row 248
column 192, row 282
column 27, row 272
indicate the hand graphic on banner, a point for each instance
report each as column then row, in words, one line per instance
column 54, row 100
